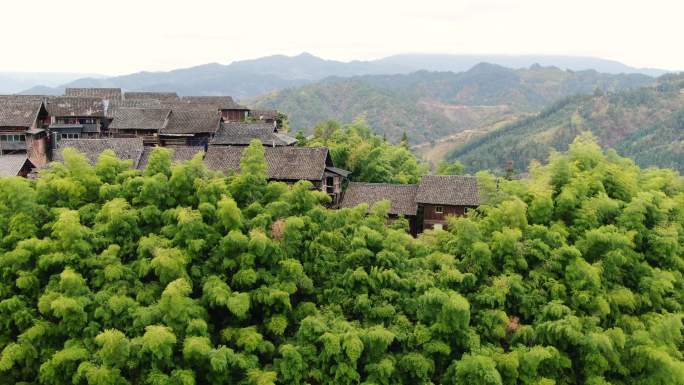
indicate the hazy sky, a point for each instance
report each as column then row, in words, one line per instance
column 122, row 36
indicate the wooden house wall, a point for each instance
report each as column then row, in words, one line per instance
column 430, row 216
column 233, row 115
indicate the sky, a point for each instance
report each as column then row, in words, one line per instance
column 124, row 36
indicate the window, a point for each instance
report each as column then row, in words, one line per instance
column 439, row 209
column 13, row 138
column 70, row 136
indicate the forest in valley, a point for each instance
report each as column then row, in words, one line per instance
column 176, row 275
column 645, row 124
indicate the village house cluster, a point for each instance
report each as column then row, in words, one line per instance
column 35, row 128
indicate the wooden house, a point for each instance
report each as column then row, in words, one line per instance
column 441, row 196
column 22, row 128
column 225, row 105
column 402, row 199
column 74, row 117
column 286, row 164
column 189, row 128
column 426, row 205
column 242, row 133
column 15, row 165
column 145, row 123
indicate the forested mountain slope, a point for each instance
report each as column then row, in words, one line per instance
column 180, row 276
column 429, row 105
column 646, row 124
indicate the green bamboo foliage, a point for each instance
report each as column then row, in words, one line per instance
column 180, row 276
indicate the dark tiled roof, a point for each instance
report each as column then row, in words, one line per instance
column 192, row 122
column 18, row 112
column 10, row 165
column 180, row 154
column 114, row 105
column 151, row 95
column 220, row 102
column 75, row 106
column 402, row 197
column 139, row 119
column 102, row 93
column 338, row 171
column 177, row 105
column 124, row 148
column 284, row 163
column 241, row 133
column 448, row 190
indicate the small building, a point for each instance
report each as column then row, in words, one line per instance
column 145, row 123
column 180, row 154
column 125, row 148
column 100, row 93
column 75, row 117
column 441, row 196
column 150, row 95
column 285, row 164
column 426, row 205
column 190, row 128
column 15, row 165
column 242, row 133
column 22, row 128
column 402, row 198
column 225, row 105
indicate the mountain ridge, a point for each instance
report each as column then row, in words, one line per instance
column 252, row 77
column 646, row 124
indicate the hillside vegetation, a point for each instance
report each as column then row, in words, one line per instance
column 181, row 276
column 431, row 105
column 646, row 124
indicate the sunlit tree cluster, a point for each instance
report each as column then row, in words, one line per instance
column 370, row 158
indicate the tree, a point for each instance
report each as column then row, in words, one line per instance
column 573, row 276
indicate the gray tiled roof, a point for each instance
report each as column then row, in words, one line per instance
column 192, row 122
column 124, row 148
column 18, row 112
column 284, row 163
column 150, row 95
column 180, row 154
column 102, row 93
column 241, row 133
column 114, row 105
column 75, row 106
column 402, row 197
column 448, row 190
column 220, row 102
column 139, row 119
column 10, row 165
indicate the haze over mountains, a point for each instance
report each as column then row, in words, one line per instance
column 13, row 82
column 249, row 78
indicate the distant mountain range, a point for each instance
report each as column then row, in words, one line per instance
column 646, row 124
column 14, row 82
column 249, row 78
column 431, row 105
